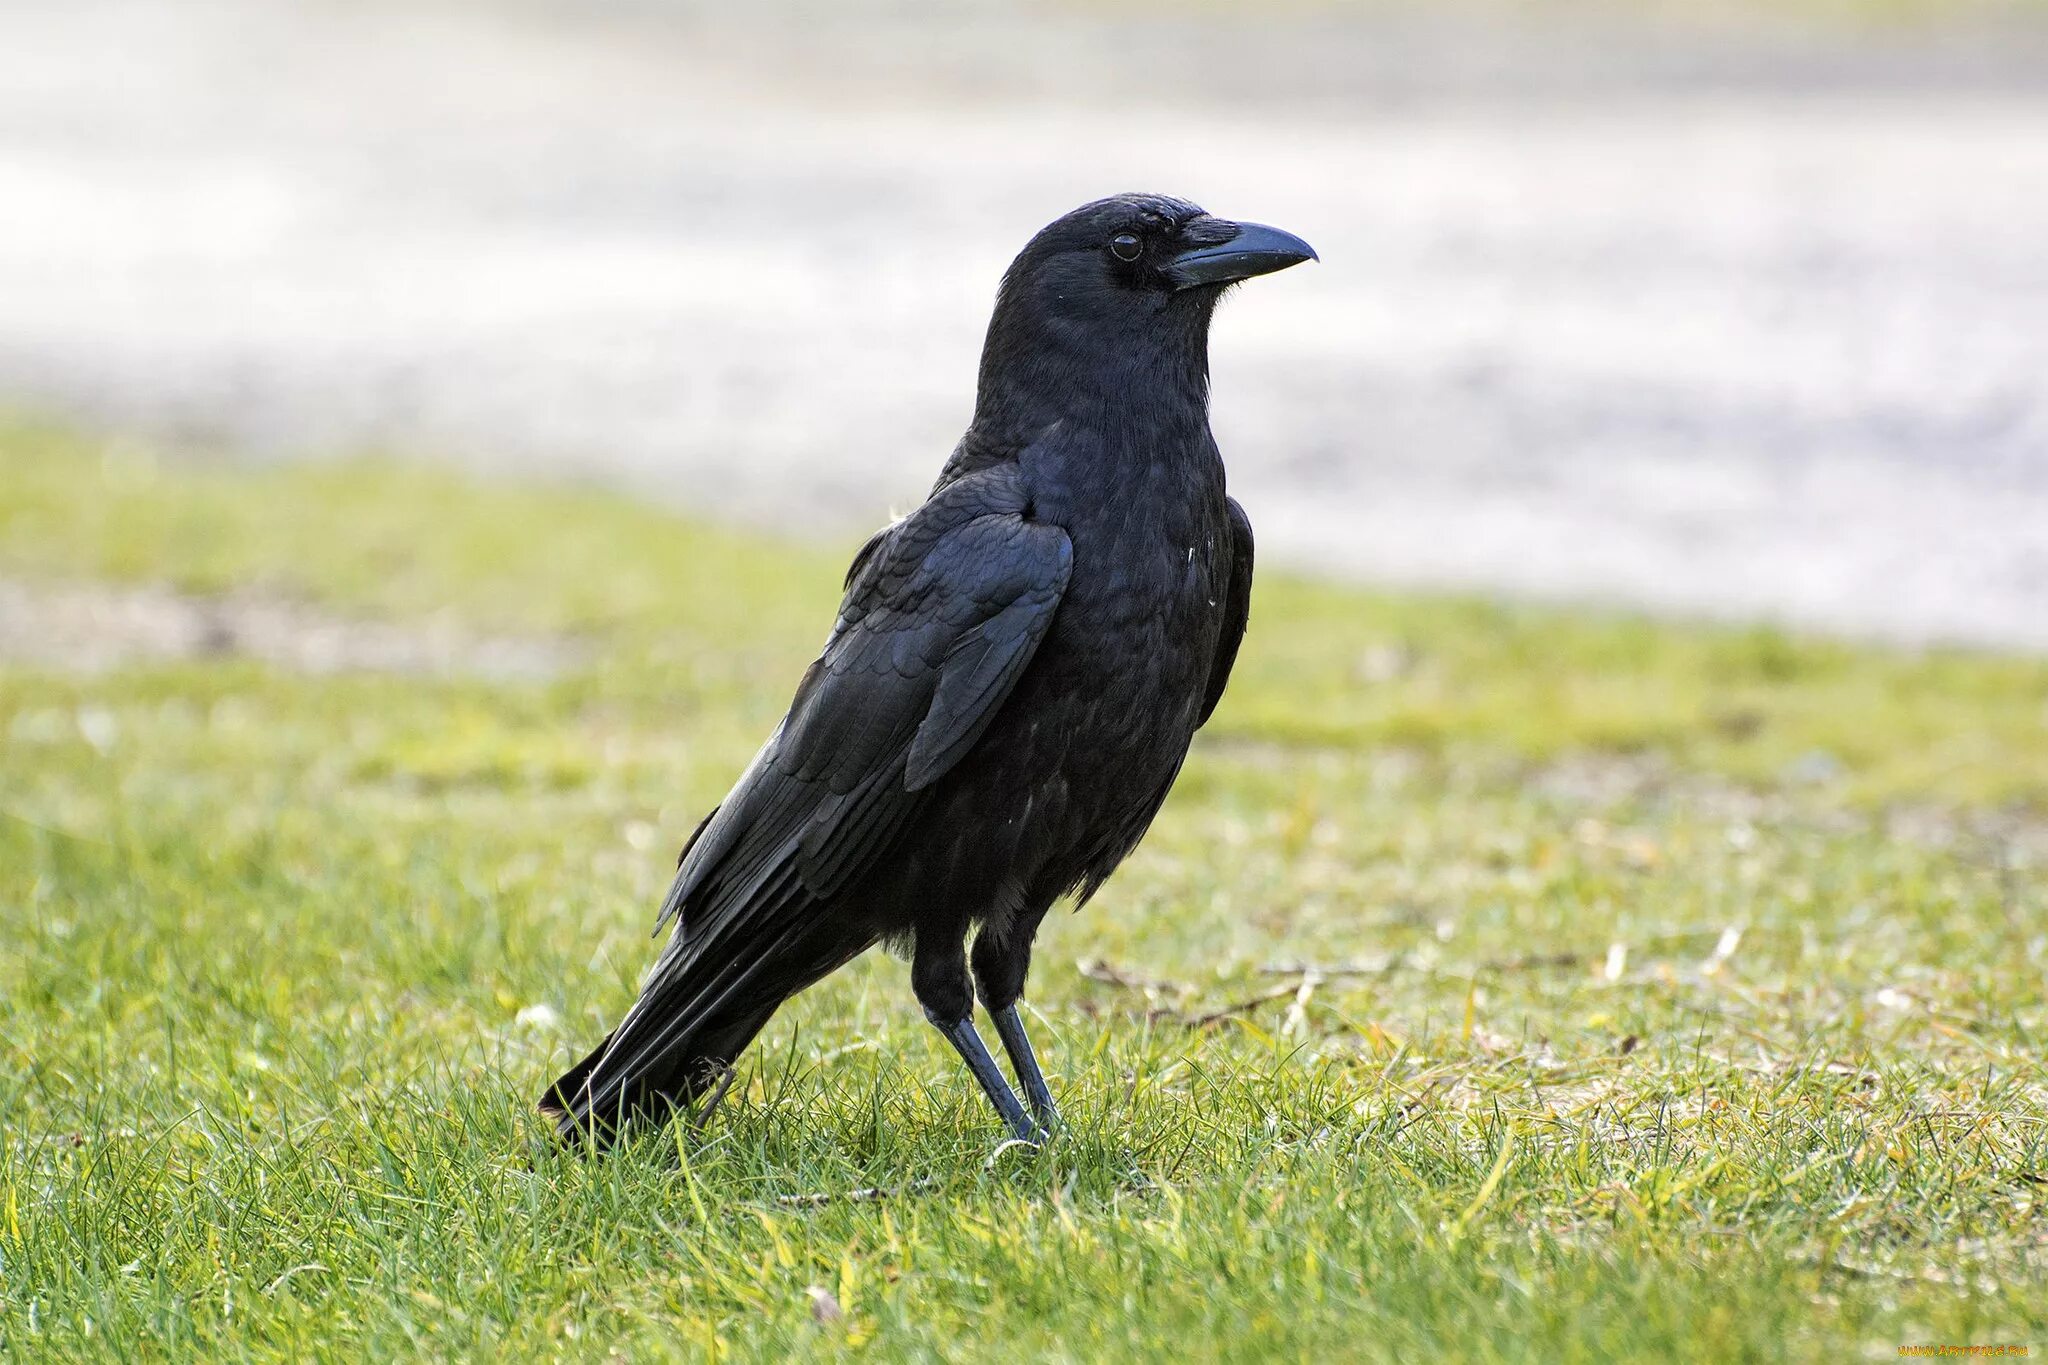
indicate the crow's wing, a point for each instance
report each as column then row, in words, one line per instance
column 942, row 613
column 1237, row 609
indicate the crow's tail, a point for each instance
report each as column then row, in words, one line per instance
column 697, row 1012
column 599, row 1097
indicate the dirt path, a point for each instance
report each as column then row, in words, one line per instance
column 1737, row 330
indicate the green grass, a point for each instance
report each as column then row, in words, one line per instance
column 266, row 939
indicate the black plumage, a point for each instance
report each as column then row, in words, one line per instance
column 1013, row 680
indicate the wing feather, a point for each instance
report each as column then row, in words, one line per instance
column 1237, row 609
column 943, row 613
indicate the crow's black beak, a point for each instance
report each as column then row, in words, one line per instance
column 1251, row 249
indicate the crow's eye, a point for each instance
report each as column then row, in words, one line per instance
column 1125, row 246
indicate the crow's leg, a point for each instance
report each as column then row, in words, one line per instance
column 1010, row 1028
column 962, row 1035
column 1001, row 961
column 939, row 976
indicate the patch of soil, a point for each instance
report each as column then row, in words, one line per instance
column 94, row 627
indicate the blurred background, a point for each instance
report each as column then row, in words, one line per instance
column 1729, row 310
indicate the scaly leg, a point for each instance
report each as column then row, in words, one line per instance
column 1010, row 1028
column 938, row 973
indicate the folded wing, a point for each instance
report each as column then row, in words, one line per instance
column 943, row 612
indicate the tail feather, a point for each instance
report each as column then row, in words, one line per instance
column 680, row 1035
column 695, row 1015
column 558, row 1102
column 592, row 1103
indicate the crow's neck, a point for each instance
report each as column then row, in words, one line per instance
column 1137, row 384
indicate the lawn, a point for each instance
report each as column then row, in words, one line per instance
column 1500, row 983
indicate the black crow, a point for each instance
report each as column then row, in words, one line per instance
column 1015, row 675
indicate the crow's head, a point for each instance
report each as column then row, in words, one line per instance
column 1117, row 289
column 1142, row 253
